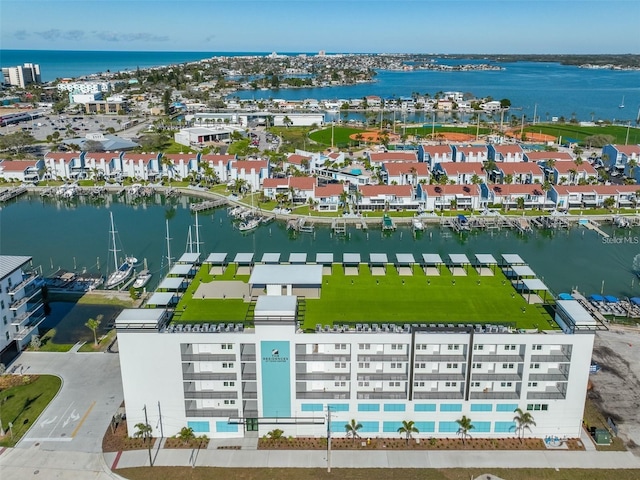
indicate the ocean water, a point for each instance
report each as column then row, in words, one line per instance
column 544, row 89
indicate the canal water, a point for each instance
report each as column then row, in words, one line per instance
column 75, row 236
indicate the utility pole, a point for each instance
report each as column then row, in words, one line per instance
column 146, row 422
column 328, row 438
column 160, row 421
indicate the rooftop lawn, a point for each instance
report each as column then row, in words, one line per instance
column 386, row 299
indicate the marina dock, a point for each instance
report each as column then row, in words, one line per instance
column 592, row 225
column 11, row 193
column 388, row 223
column 339, row 226
column 207, row 205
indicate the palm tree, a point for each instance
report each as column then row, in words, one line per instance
column 352, row 429
column 508, row 179
column 632, row 163
column 287, row 121
column 475, row 179
column 465, row 426
column 143, row 430
column 523, row 420
column 186, row 434
column 93, row 324
column 549, row 164
column 275, row 434
column 407, row 428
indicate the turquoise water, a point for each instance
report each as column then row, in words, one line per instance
column 76, row 236
column 557, row 90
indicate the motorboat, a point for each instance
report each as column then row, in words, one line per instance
column 249, row 225
column 142, row 278
column 417, row 224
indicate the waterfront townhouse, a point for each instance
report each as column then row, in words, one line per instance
column 617, row 157
column 460, row 173
column 253, row 172
column 405, row 173
column 506, row 153
column 471, row 154
column 378, row 158
column 507, row 196
column 432, row 154
column 328, row 197
column 519, row 172
column 65, row 165
column 219, row 164
column 295, row 189
column 435, row 198
column 137, row 166
column 373, row 101
column 21, row 306
column 386, row 197
column 99, row 163
column 570, row 172
column 593, row 196
column 21, row 170
column 355, row 174
column 179, row 165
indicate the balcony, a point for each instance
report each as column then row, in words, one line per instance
column 402, row 377
column 249, row 376
column 498, row 358
column 331, row 376
column 208, row 376
column 417, row 395
column 208, row 357
column 494, row 395
column 497, row 377
column 438, row 377
column 24, row 283
column 382, row 396
column 249, row 395
column 323, row 395
column 323, row 357
column 247, row 357
column 557, row 358
column 553, row 376
column 436, row 358
column 192, row 395
column 383, row 358
column 211, row 412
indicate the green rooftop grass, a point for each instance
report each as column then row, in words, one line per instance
column 386, row 299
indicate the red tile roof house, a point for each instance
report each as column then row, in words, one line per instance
column 99, row 164
column 383, row 197
column 506, row 153
column 144, row 166
column 542, row 157
column 618, row 156
column 254, row 172
column 21, row 170
column 405, row 173
column 432, row 154
column 507, row 196
column 327, row 197
column 378, row 158
column 460, row 173
column 297, row 162
column 444, row 197
column 219, row 164
column 471, row 154
column 181, row 165
column 593, row 196
column 297, row 189
column 520, row 172
column 568, row 172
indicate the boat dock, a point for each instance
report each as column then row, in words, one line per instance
column 522, row 225
column 207, row 205
column 300, row 225
column 11, row 193
column 339, row 226
column 592, row 225
column 388, row 223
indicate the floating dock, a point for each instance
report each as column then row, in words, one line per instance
column 207, row 205
column 11, row 193
column 592, row 225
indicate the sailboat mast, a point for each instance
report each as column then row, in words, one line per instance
column 197, row 235
column 168, row 245
column 113, row 242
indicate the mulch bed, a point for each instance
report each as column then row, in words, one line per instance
column 119, row 440
column 401, row 444
column 173, row 442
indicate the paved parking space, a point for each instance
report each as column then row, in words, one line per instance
column 79, row 415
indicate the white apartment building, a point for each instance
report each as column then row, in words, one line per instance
column 84, row 87
column 22, row 75
column 232, row 380
column 21, row 306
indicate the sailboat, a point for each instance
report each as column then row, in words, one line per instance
column 121, row 272
column 621, row 103
column 143, row 277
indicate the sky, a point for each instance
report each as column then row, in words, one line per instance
column 348, row 26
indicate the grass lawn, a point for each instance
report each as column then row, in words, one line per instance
column 340, row 136
column 48, row 345
column 23, row 404
column 103, row 343
column 386, row 299
column 580, row 133
column 202, row 473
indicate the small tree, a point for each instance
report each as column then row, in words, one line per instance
column 93, row 324
column 407, row 429
column 520, row 203
column 352, row 429
column 465, row 426
column 143, row 430
column 275, row 434
column 186, row 434
column 608, row 203
column 35, row 343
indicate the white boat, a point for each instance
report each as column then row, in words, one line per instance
column 417, row 224
column 122, row 272
column 249, row 225
column 142, row 279
column 621, row 103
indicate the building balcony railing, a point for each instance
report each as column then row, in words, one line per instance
column 437, row 377
column 383, row 358
column 557, row 395
column 498, row 358
column 382, row 396
column 192, row 394
column 549, row 376
column 249, row 395
column 333, row 376
column 436, row 358
column 494, row 395
column 247, row 357
column 211, row 412
column 323, row 357
column 249, row 376
column 517, row 377
column 208, row 376
column 208, row 357
column 323, row 395
column 402, row 377
column 23, row 284
column 437, row 395
column 558, row 358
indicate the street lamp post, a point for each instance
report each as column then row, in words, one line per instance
column 328, row 439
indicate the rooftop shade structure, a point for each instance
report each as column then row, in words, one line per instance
column 171, row 283
column 351, row 258
column 243, row 258
column 217, row 258
column 189, row 258
column 523, row 271
column 431, row 258
column 486, row 259
column 181, row 269
column 458, row 259
column 513, row 259
column 378, row 259
column 142, row 317
column 286, row 275
column 324, row 258
column 276, row 306
column 533, row 284
column 161, row 299
column 405, row 259
column 271, row 258
column 297, row 258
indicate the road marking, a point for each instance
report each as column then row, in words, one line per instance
column 47, row 439
column 84, row 417
column 48, row 421
column 114, row 465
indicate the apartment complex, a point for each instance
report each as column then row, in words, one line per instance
column 21, row 306
column 22, row 75
column 245, row 379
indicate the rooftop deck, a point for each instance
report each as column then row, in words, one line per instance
column 391, row 298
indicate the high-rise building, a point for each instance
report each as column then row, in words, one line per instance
column 22, row 75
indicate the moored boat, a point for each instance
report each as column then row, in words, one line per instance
column 142, row 279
